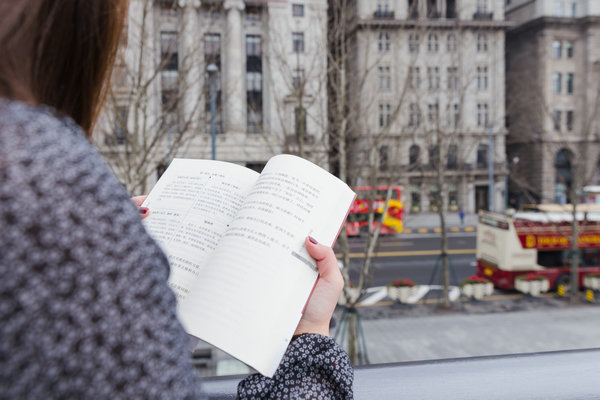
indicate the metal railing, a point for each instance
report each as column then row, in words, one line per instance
column 571, row 374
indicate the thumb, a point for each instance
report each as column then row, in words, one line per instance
column 326, row 262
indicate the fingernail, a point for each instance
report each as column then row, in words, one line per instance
column 313, row 240
column 143, row 210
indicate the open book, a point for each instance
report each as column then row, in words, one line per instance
column 235, row 242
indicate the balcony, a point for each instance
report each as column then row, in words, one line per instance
column 483, row 16
column 381, row 14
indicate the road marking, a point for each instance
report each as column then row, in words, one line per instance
column 411, row 253
column 454, row 230
column 469, row 229
column 406, row 230
column 423, row 230
column 437, row 230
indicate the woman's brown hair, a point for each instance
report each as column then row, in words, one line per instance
column 60, row 53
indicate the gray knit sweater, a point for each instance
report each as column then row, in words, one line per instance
column 85, row 310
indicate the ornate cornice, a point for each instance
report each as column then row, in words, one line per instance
column 189, row 3
column 234, row 4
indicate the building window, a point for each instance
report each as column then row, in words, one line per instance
column 570, row 49
column 556, row 49
column 298, row 42
column 253, row 13
column 413, row 9
column 212, row 55
column 385, row 78
column 452, row 78
column 451, row 9
column 385, row 111
column 432, row 43
column 570, row 120
column 482, row 156
column 300, row 121
column 434, row 156
column 432, row 9
column 254, row 97
column 564, row 176
column 414, row 79
column 414, row 118
column 570, row 83
column 168, row 8
column 482, row 115
column 433, row 111
column 413, row 43
column 415, row 198
column 383, row 158
column 451, row 43
column 413, row 156
column 253, row 81
column 120, row 125
column 169, row 54
column 452, row 197
column 573, row 9
column 383, row 6
column 556, row 120
column 452, row 163
column 453, row 115
column 253, row 46
column 170, row 101
column 556, row 83
column 481, row 7
column 482, row 78
column 212, row 44
column 383, row 42
column 559, row 8
column 298, row 10
column 297, row 78
column 482, row 43
column 433, row 78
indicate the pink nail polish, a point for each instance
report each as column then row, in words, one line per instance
column 313, row 240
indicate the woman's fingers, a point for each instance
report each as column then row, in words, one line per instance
column 326, row 293
column 138, row 201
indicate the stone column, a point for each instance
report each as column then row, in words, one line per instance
column 234, row 68
column 191, row 87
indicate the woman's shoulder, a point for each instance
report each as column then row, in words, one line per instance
column 25, row 126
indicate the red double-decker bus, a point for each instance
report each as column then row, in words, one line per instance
column 358, row 217
column 537, row 242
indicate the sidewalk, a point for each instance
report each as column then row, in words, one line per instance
column 430, row 222
column 454, row 334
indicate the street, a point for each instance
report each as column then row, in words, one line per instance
column 414, row 256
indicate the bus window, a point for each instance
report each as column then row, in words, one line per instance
column 551, row 258
column 589, row 257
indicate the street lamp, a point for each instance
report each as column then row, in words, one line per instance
column 212, row 70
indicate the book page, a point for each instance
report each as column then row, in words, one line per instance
column 251, row 296
column 191, row 207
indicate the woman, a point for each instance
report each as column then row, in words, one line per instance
column 84, row 304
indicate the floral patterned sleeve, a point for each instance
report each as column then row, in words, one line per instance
column 313, row 367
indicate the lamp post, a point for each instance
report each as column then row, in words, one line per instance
column 212, row 70
column 491, row 169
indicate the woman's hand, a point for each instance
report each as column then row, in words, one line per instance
column 138, row 200
column 324, row 298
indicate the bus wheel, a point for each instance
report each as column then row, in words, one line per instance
column 563, row 285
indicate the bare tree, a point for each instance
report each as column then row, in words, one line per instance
column 154, row 106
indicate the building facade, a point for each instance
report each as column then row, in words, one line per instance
column 553, row 75
column 260, row 65
column 431, row 88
